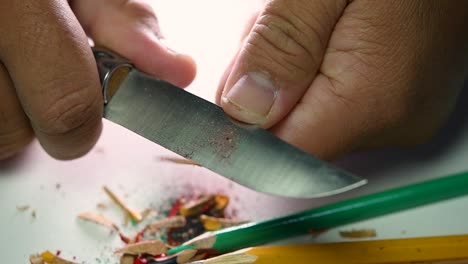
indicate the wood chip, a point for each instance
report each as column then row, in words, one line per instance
column 22, row 208
column 150, row 247
column 136, row 216
column 214, row 223
column 361, row 233
column 99, row 219
column 169, row 222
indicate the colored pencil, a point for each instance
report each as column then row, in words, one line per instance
column 442, row 249
column 333, row 215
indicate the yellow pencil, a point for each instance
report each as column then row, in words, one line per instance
column 443, row 249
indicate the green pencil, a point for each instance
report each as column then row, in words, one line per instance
column 329, row 216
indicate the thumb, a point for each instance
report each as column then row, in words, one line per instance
column 279, row 59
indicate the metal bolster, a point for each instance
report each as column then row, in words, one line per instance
column 112, row 70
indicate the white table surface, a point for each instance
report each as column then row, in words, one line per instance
column 129, row 164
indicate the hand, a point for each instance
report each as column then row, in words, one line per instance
column 49, row 84
column 334, row 76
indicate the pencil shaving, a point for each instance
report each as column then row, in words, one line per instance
column 22, row 208
column 150, row 247
column 182, row 161
column 99, row 219
column 127, row 259
column 101, row 206
column 48, row 257
column 186, row 255
column 136, row 216
column 195, row 206
column 221, row 201
column 169, row 222
column 361, row 233
column 214, row 223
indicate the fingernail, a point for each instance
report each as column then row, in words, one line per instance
column 253, row 96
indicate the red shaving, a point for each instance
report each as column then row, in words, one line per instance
column 140, row 261
column 124, row 239
column 175, row 208
column 139, row 236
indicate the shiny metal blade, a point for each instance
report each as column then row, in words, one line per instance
column 199, row 130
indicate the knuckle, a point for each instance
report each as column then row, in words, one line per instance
column 68, row 112
column 281, row 42
column 138, row 8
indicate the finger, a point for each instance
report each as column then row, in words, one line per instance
column 131, row 29
column 15, row 131
column 54, row 72
column 279, row 59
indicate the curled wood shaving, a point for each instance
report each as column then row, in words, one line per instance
column 150, row 247
column 136, row 216
column 361, row 233
column 99, row 219
column 169, row 222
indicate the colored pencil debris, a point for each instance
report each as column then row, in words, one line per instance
column 184, row 219
column 22, row 208
column 360, row 233
column 48, row 257
column 182, row 161
column 134, row 215
column 99, row 219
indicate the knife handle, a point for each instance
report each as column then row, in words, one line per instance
column 112, row 69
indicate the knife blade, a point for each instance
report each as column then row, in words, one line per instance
column 200, row 130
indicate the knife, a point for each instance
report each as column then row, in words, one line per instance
column 200, row 130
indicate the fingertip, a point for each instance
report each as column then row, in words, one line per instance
column 151, row 55
column 73, row 144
